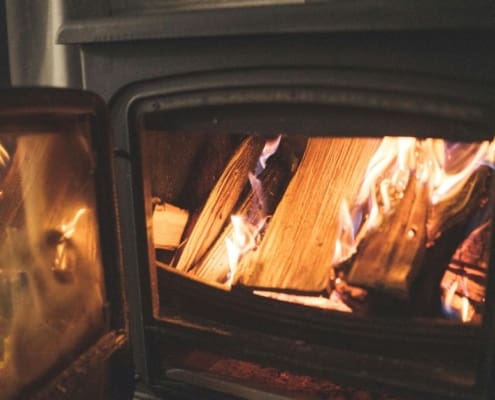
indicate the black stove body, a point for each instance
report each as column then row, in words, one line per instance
column 421, row 69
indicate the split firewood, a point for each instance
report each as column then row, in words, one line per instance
column 297, row 250
column 396, row 261
column 215, row 265
column 168, row 225
column 390, row 256
column 221, row 202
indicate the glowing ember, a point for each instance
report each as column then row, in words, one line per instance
column 334, row 302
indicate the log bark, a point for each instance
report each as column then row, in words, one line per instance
column 390, row 256
column 297, row 249
column 221, row 202
column 422, row 265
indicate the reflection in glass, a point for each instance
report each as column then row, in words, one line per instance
column 51, row 291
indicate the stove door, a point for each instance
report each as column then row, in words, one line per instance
column 63, row 332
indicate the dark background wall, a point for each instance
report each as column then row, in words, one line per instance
column 4, row 58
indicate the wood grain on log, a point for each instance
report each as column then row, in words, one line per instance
column 298, row 246
column 221, row 202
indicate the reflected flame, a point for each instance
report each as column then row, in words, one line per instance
column 67, row 231
column 4, row 156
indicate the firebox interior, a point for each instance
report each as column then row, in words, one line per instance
column 182, row 156
column 381, row 225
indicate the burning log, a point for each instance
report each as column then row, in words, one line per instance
column 215, row 266
column 427, row 292
column 296, row 252
column 390, row 257
column 407, row 255
column 221, row 202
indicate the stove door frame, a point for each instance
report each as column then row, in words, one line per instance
column 26, row 110
column 454, row 101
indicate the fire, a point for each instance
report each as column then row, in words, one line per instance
column 243, row 240
column 247, row 228
column 456, row 301
column 67, row 231
column 443, row 167
column 4, row 156
column 388, row 174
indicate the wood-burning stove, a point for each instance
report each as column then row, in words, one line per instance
column 198, row 81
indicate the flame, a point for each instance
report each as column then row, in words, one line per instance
column 344, row 246
column 4, row 156
column 270, row 148
column 388, row 174
column 334, row 302
column 457, row 304
column 246, row 229
column 444, row 167
column 67, row 231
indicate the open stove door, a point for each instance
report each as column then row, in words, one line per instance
column 63, row 326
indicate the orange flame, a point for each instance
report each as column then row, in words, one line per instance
column 246, row 229
column 4, row 156
column 67, row 231
column 458, row 304
column 387, row 176
column 443, row 166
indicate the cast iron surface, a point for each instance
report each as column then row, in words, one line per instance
column 328, row 16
